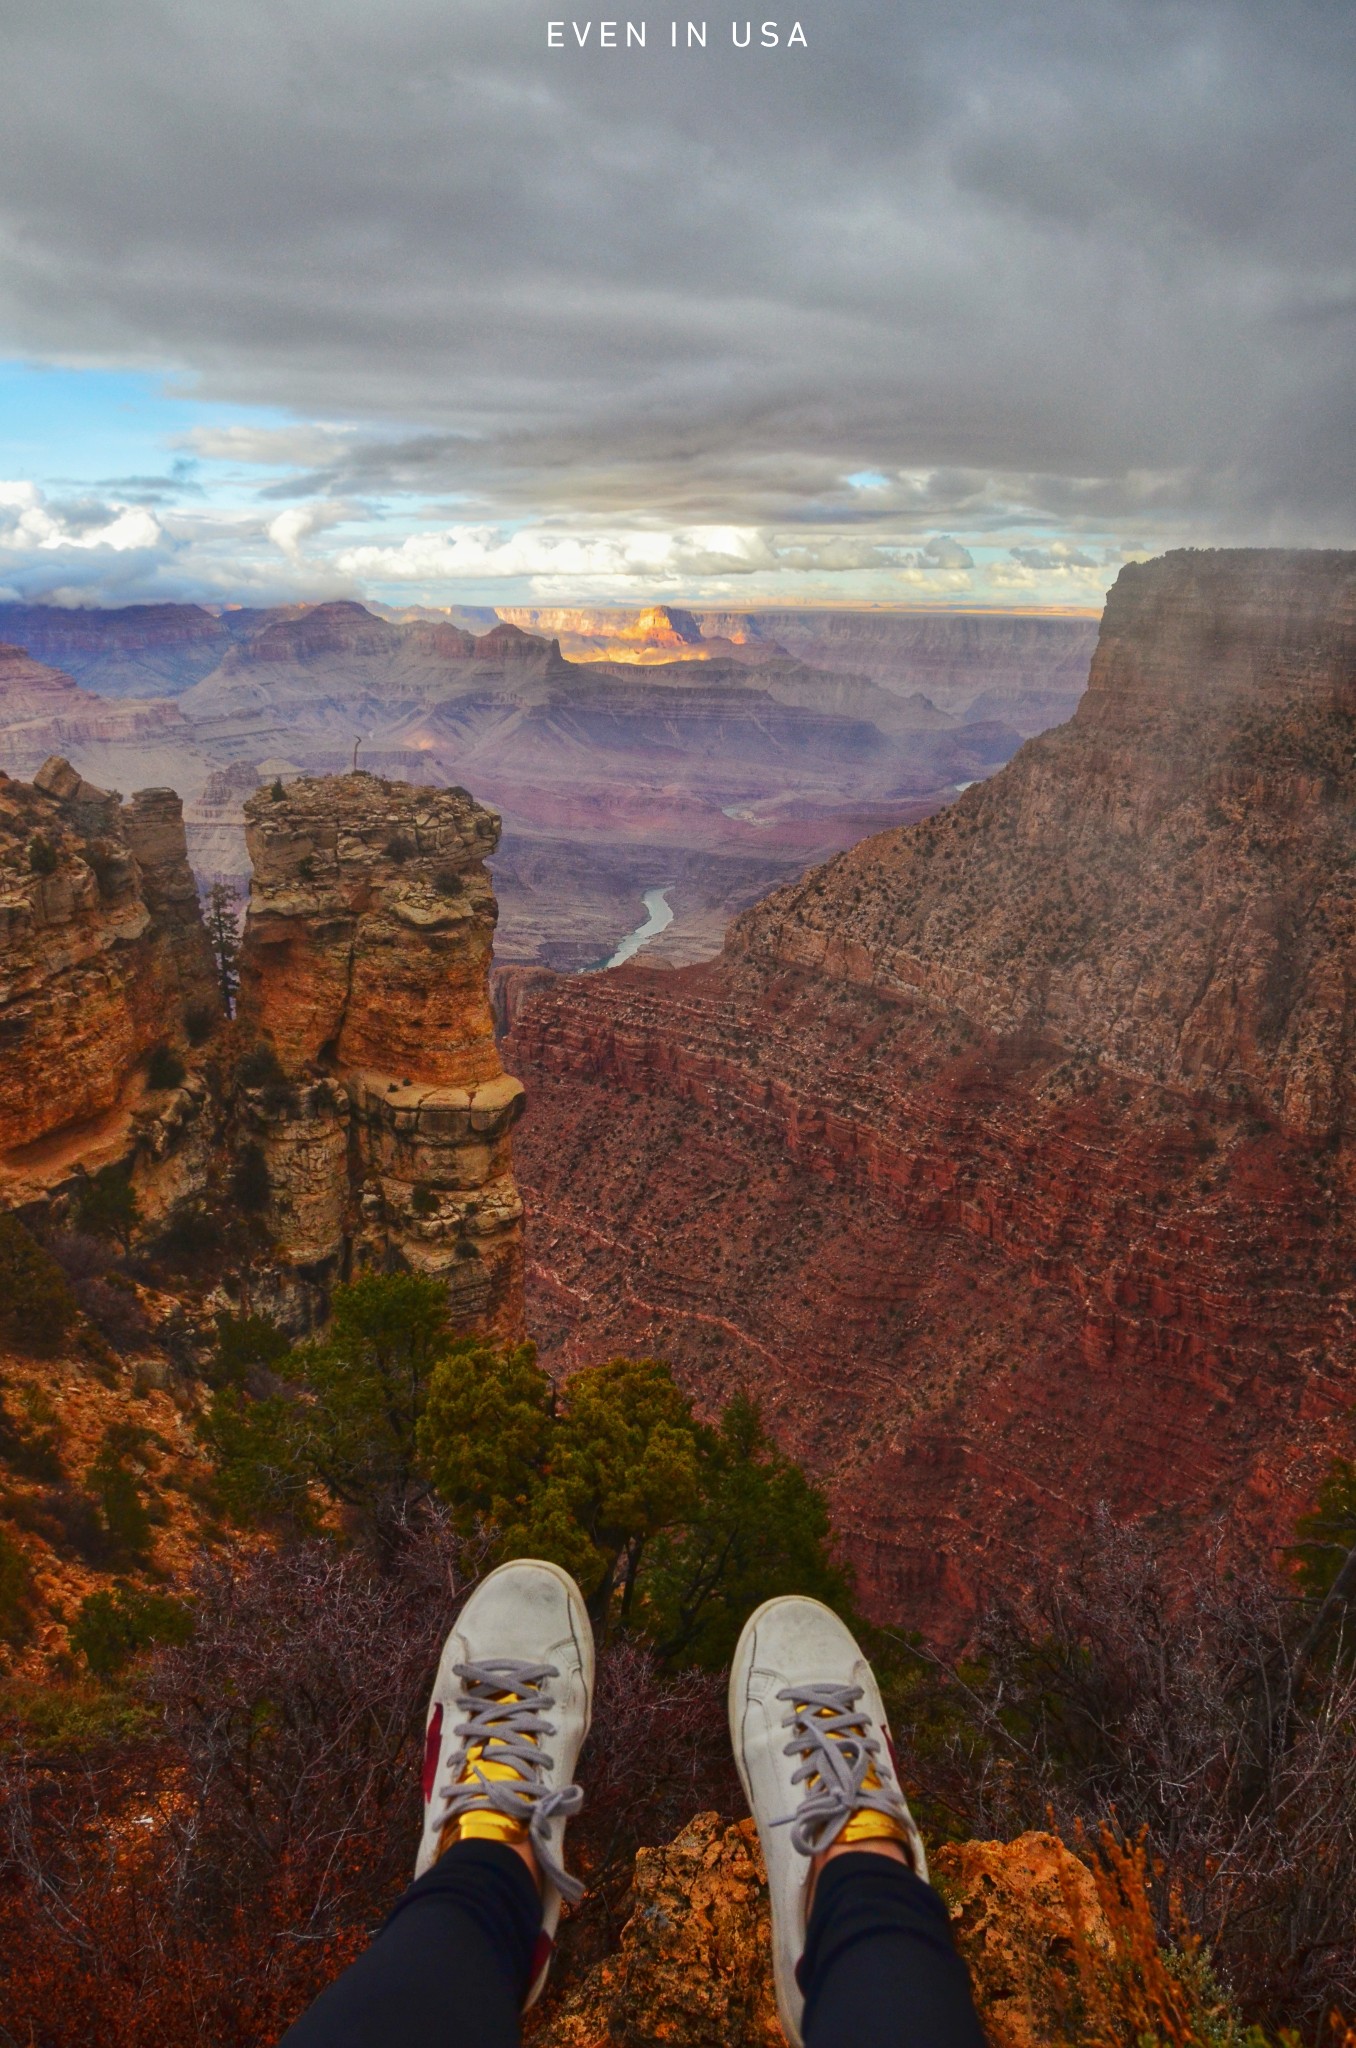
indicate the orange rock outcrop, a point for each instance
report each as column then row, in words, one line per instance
column 1048, row 1963
column 365, row 969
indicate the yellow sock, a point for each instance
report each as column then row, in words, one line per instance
column 867, row 1824
column 486, row 1825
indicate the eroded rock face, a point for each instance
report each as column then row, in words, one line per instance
column 694, row 1967
column 100, row 958
column 153, row 823
column 1166, row 881
column 365, row 969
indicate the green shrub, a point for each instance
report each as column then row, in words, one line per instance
column 36, row 1304
column 1327, row 1534
column 198, row 1023
column 16, row 1589
column 191, row 1237
column 42, row 855
column 260, row 1068
column 111, row 1628
column 57, row 1719
column 107, row 1205
column 674, row 1528
column 117, row 1490
column 243, row 1344
column 30, row 1452
column 670, row 1526
column 164, row 1068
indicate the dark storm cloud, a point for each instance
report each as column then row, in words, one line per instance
column 1094, row 259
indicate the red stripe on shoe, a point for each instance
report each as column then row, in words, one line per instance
column 433, row 1743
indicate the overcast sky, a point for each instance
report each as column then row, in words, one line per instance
column 961, row 302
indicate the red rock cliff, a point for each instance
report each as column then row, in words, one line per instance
column 1008, row 1158
column 102, row 956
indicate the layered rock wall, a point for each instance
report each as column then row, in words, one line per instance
column 100, row 958
column 365, row 971
column 1166, row 881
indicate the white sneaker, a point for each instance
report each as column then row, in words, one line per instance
column 516, row 1671
column 809, row 1736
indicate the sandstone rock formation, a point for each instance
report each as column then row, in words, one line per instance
column 153, row 823
column 365, row 970
column 1009, row 1158
column 694, row 1966
column 102, row 957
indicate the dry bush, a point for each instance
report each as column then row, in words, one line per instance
column 1200, row 1719
column 200, row 1885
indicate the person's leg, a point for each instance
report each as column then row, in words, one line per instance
column 450, row 1969
column 469, row 1944
column 880, row 1969
column 861, row 1948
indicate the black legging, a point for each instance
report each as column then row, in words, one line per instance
column 451, row 1966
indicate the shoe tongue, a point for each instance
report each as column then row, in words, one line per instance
column 483, row 1764
column 481, row 1760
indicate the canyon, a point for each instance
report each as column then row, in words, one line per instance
column 701, row 754
column 1007, row 1157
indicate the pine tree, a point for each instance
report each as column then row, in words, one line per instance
column 223, row 934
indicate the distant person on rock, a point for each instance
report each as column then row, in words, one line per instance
column 862, row 1950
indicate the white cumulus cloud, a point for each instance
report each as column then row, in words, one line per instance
column 28, row 523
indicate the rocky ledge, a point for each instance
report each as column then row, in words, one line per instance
column 1059, row 1950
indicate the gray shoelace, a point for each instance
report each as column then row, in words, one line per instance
column 516, row 1728
column 830, row 1734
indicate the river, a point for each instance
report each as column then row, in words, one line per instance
column 659, row 916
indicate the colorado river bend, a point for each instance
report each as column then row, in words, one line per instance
column 659, row 916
